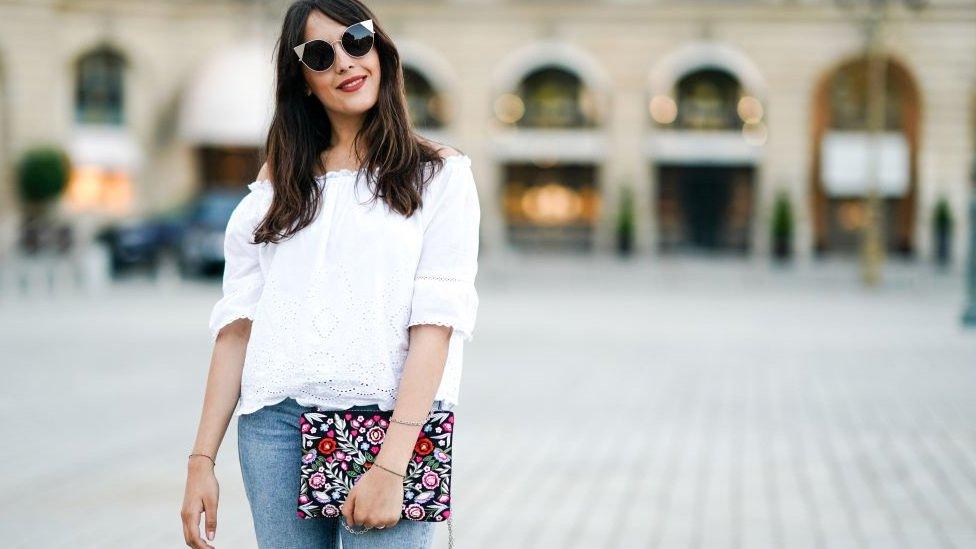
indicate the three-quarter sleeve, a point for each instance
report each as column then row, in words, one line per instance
column 444, row 291
column 243, row 279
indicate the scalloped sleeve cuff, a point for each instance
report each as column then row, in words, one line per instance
column 444, row 285
column 243, row 279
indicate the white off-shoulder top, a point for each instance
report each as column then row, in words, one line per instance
column 331, row 306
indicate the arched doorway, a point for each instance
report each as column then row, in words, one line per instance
column 709, row 128
column 840, row 156
column 550, row 198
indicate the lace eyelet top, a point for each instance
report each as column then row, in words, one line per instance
column 331, row 306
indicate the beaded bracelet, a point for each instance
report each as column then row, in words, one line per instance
column 206, row 456
column 385, row 469
column 418, row 424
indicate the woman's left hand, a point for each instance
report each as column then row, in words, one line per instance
column 375, row 500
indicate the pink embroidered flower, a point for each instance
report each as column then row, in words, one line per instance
column 384, row 423
column 443, row 498
column 448, row 427
column 330, row 510
column 309, row 457
column 306, row 427
column 446, row 514
column 415, row 512
column 299, row 514
column 344, row 466
column 339, row 454
column 348, row 416
column 330, row 433
column 317, row 480
column 375, row 435
column 431, row 479
column 303, row 499
column 375, row 449
column 321, row 496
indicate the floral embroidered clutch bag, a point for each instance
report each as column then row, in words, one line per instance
column 339, row 446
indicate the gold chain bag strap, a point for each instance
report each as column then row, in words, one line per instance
column 339, row 446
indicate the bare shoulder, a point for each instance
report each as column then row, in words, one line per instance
column 447, row 152
column 264, row 173
column 443, row 150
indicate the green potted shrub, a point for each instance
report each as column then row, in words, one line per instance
column 625, row 222
column 782, row 226
column 42, row 175
column 942, row 231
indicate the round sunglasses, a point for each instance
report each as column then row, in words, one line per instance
column 319, row 55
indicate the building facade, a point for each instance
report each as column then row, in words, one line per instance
column 706, row 115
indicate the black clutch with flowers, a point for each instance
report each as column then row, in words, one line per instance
column 340, row 446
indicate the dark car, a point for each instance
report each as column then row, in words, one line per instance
column 202, row 239
column 192, row 236
column 141, row 244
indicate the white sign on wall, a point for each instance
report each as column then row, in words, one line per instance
column 845, row 163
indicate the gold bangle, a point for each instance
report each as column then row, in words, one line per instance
column 385, row 469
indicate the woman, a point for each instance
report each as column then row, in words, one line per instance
column 349, row 284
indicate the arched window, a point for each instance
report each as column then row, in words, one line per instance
column 424, row 103
column 848, row 99
column 100, row 88
column 555, row 98
column 707, row 100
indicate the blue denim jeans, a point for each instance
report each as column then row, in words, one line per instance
column 269, row 446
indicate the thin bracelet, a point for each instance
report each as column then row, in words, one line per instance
column 419, row 424
column 385, row 469
column 206, row 456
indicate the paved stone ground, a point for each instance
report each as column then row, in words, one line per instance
column 658, row 404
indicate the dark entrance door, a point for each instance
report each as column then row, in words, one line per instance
column 706, row 208
column 704, row 194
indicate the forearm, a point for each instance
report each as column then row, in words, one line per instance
column 223, row 387
column 422, row 373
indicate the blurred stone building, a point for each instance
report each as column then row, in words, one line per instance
column 706, row 110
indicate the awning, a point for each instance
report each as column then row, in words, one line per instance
column 105, row 146
column 230, row 101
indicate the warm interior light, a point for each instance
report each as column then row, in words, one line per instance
column 663, row 109
column 509, row 108
column 93, row 188
column 851, row 216
column 551, row 204
column 750, row 110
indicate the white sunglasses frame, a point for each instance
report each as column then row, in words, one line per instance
column 300, row 49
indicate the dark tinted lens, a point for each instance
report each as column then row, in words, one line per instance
column 357, row 40
column 318, row 55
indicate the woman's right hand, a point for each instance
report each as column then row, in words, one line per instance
column 200, row 497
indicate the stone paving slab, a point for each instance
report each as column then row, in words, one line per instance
column 656, row 404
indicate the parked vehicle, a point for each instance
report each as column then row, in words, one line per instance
column 202, row 239
column 192, row 236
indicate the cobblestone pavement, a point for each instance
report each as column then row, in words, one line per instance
column 660, row 404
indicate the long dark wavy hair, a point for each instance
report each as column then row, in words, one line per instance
column 300, row 130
